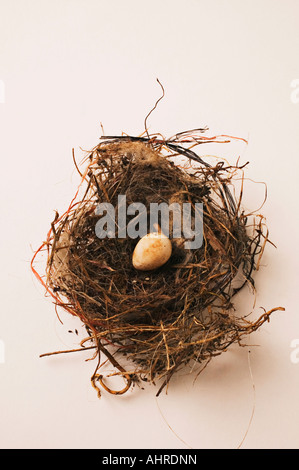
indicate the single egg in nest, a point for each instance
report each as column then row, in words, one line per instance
column 153, row 299
column 151, row 252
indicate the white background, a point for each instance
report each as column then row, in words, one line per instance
column 69, row 65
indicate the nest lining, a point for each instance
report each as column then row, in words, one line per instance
column 183, row 312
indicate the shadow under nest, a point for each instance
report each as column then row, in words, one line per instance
column 164, row 319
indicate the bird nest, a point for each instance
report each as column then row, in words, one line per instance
column 149, row 324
